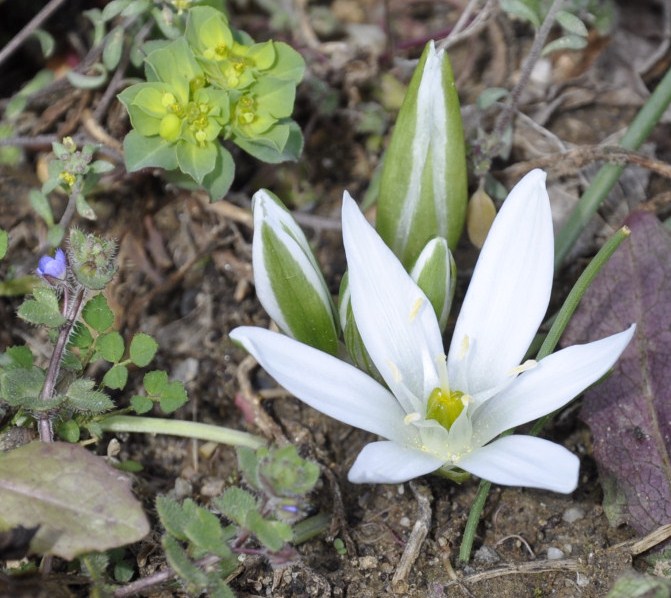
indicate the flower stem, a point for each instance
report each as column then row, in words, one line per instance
column 605, row 179
column 561, row 321
column 71, row 311
column 473, row 519
column 174, row 427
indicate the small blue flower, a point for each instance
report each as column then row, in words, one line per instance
column 52, row 268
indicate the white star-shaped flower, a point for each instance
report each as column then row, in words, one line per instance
column 437, row 411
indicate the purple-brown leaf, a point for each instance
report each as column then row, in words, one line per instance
column 629, row 413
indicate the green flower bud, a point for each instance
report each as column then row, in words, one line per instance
column 92, row 259
column 289, row 283
column 353, row 341
column 435, row 272
column 423, row 187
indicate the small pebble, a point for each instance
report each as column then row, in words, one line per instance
column 368, row 562
column 212, row 487
column 183, row 488
column 404, row 521
column 486, row 556
column 554, row 554
column 573, row 514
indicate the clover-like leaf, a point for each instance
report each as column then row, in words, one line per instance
column 110, row 346
column 142, row 349
column 97, row 314
column 80, row 503
column 116, row 377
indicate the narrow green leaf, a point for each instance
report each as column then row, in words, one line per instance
column 182, row 565
column 142, row 349
column 4, row 243
column 93, row 81
column 40, row 204
column 46, row 41
column 113, row 48
column 571, row 23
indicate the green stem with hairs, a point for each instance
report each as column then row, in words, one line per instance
column 175, row 427
column 561, row 321
column 605, row 179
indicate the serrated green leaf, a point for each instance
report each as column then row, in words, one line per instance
column 4, row 243
column 97, row 314
column 248, row 464
column 204, row 531
column 141, row 404
column 20, row 356
column 79, row 503
column 116, row 377
column 82, row 397
column 110, row 346
column 172, row 516
column 113, row 48
column 182, row 565
column 43, row 309
column 142, row 349
column 272, row 534
column 172, row 397
column 68, row 430
column 236, row 504
column 155, row 382
column 81, row 337
column 71, row 362
column 19, row 385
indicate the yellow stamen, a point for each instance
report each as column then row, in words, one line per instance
column 416, row 306
column 529, row 364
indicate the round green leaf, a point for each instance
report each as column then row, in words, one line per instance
column 141, row 404
column 173, row 397
column 68, row 431
column 116, row 377
column 97, row 314
column 155, row 382
column 110, row 346
column 142, row 349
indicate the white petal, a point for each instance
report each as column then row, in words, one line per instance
column 525, row 461
column 509, row 292
column 397, row 323
column 387, row 462
column 331, row 386
column 550, row 385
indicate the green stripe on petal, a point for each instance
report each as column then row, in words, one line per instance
column 423, row 189
column 288, row 281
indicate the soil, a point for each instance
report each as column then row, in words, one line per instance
column 185, row 277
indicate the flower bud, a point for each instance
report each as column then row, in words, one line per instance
column 353, row 341
column 435, row 272
column 92, row 259
column 289, row 283
column 423, row 186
